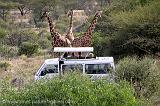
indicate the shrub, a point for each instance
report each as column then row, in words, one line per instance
column 100, row 44
column 2, row 33
column 28, row 49
column 42, row 24
column 137, row 31
column 44, row 43
column 4, row 65
column 142, row 74
column 73, row 89
column 18, row 36
column 7, row 51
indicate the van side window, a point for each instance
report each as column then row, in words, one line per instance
column 97, row 68
column 50, row 68
column 72, row 67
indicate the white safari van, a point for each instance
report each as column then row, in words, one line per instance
column 95, row 67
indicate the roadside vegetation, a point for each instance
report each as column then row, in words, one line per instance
column 72, row 89
column 143, row 74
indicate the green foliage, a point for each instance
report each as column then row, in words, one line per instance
column 41, row 5
column 17, row 37
column 7, row 5
column 133, row 27
column 4, row 65
column 142, row 74
column 8, row 51
column 2, row 33
column 127, row 5
column 42, row 24
column 72, row 89
column 44, row 43
column 44, row 39
column 28, row 49
column 7, row 26
column 62, row 23
column 100, row 44
column 145, row 14
column 105, row 25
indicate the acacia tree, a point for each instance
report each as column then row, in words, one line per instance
column 24, row 6
column 40, row 6
column 5, row 7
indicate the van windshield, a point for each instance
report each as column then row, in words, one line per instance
column 49, row 69
column 72, row 67
column 97, row 68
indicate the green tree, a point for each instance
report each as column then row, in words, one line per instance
column 139, row 31
column 39, row 6
column 133, row 27
column 24, row 6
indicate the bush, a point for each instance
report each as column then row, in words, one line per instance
column 4, row 65
column 132, row 26
column 2, row 33
column 44, row 43
column 18, row 36
column 7, row 51
column 142, row 74
column 73, row 89
column 138, row 31
column 42, row 24
column 100, row 44
column 28, row 49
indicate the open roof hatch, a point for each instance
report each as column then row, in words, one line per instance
column 84, row 51
column 73, row 49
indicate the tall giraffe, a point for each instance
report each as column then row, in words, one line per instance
column 69, row 34
column 57, row 39
column 86, row 39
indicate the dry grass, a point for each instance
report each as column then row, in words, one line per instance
column 23, row 68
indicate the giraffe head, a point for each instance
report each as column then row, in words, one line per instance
column 44, row 15
column 98, row 13
column 70, row 13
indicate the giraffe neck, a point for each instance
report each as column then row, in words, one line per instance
column 70, row 24
column 70, row 35
column 57, row 39
column 92, row 25
column 71, row 20
column 54, row 34
column 52, row 30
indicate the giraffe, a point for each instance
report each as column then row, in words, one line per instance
column 86, row 39
column 70, row 35
column 57, row 39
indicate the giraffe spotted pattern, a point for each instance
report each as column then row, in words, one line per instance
column 57, row 39
column 86, row 39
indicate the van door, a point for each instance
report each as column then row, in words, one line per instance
column 49, row 71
